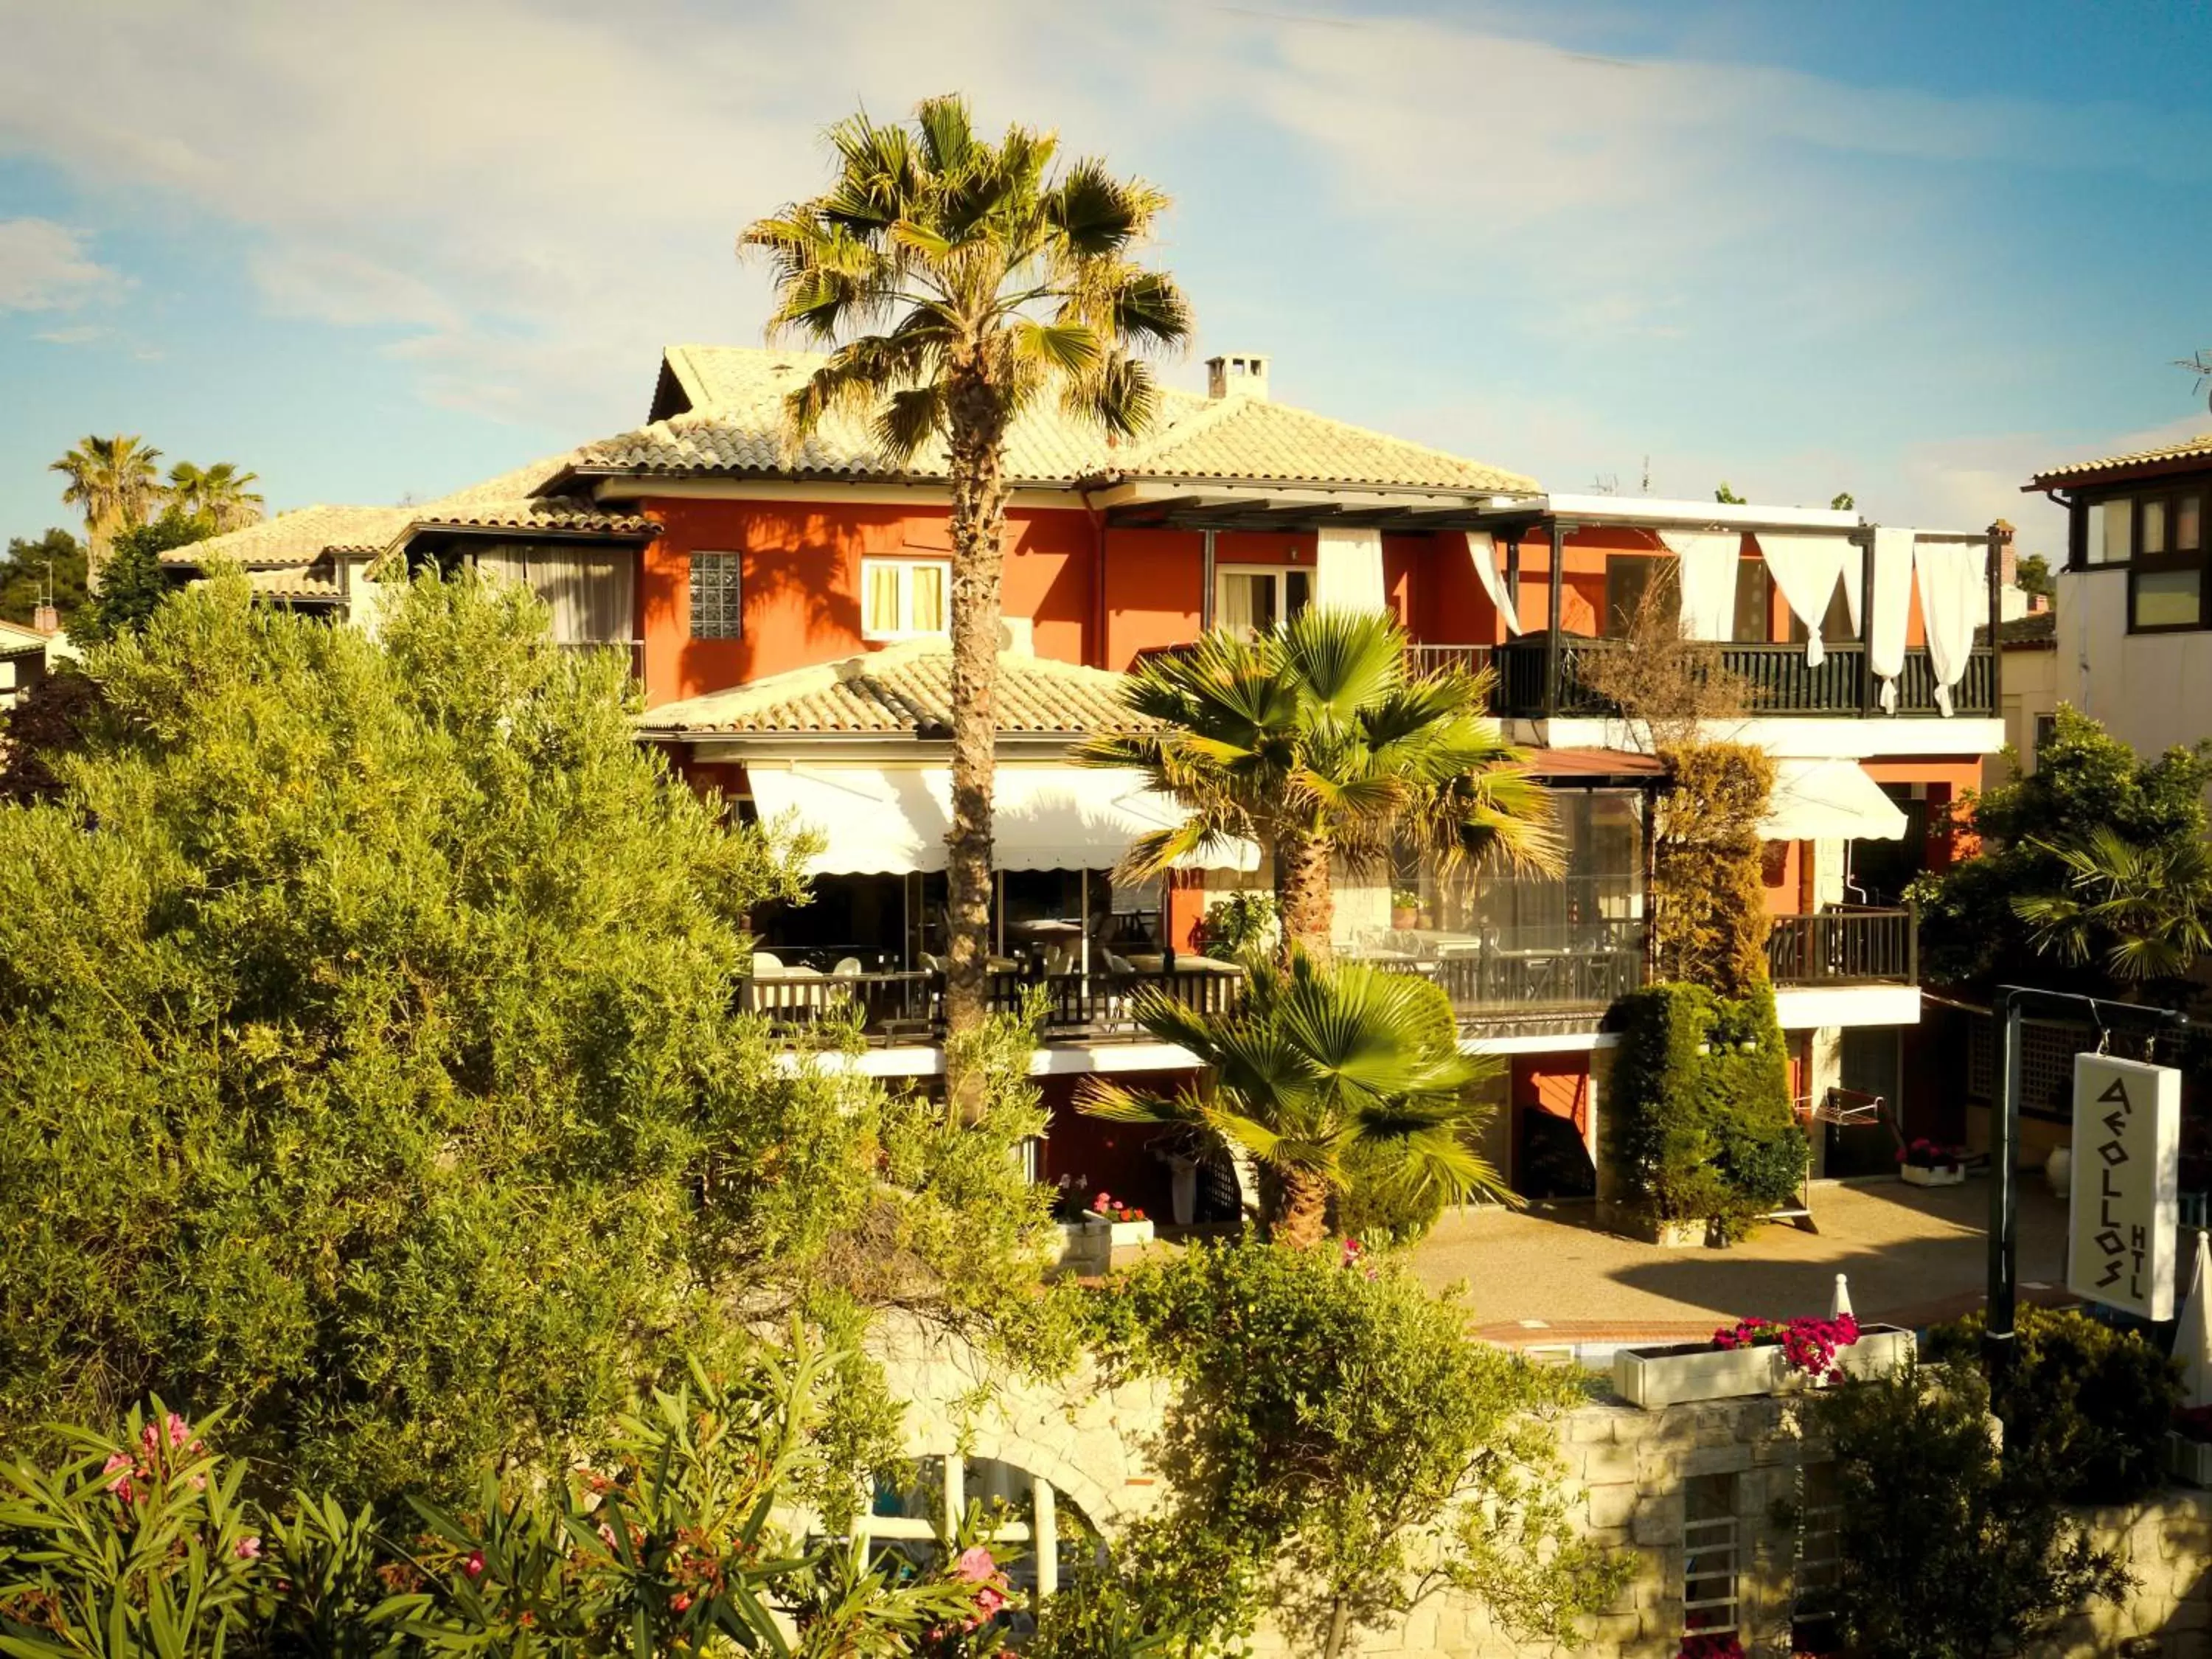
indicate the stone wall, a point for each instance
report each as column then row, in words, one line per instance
column 1636, row 1474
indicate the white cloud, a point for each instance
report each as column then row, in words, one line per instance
column 76, row 334
column 44, row 267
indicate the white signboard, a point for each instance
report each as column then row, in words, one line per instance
column 2127, row 1136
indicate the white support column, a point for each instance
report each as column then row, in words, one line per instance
column 1044, row 1536
column 955, row 1489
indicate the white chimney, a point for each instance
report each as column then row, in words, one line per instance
column 1244, row 375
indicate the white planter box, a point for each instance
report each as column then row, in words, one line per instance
column 1121, row 1234
column 1652, row 1378
column 2189, row 1460
column 1936, row 1175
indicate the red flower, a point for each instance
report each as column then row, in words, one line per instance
column 679, row 1602
column 474, row 1565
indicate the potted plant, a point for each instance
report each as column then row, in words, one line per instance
column 1084, row 1246
column 1404, row 908
column 2189, row 1446
column 1125, row 1223
column 1927, row 1162
column 1712, row 1644
column 1756, row 1357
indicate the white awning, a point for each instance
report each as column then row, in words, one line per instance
column 1829, row 801
column 890, row 820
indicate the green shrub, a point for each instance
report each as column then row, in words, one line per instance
column 1378, row 1210
column 2086, row 1407
column 1698, row 1124
column 1243, row 921
column 1335, row 1426
column 1944, row 1555
column 365, row 1034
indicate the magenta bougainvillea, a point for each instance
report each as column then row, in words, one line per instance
column 1722, row 1645
column 1925, row 1154
column 1809, row 1345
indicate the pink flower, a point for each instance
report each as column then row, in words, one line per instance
column 989, row 1599
column 474, row 1565
column 607, row 1532
column 178, row 1430
column 150, row 1439
column 248, row 1548
column 976, row 1565
column 118, row 1464
column 679, row 1602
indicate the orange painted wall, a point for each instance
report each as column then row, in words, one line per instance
column 801, row 582
column 1153, row 590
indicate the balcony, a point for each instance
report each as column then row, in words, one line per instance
column 909, row 1008
column 1781, row 681
column 1845, row 944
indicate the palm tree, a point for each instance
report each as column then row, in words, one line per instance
column 1317, row 1065
column 113, row 482
column 959, row 281
column 2150, row 906
column 219, row 491
column 1313, row 741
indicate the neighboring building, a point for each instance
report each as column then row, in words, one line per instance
column 785, row 612
column 2131, row 646
column 26, row 655
column 2030, row 643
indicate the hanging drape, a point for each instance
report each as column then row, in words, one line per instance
column 1705, row 569
column 1954, row 597
column 1348, row 574
column 588, row 589
column 1482, row 548
column 1805, row 569
column 1889, row 610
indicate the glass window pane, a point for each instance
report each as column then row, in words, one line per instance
column 1244, row 600
column 2185, row 511
column 2167, row 599
column 928, row 584
column 2154, row 527
column 1754, row 590
column 1297, row 589
column 2119, row 537
column 879, row 601
column 717, row 599
column 2092, row 543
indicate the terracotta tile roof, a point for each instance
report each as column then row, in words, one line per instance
column 903, row 689
column 735, row 424
column 17, row 641
column 2187, row 449
column 297, row 538
column 310, row 582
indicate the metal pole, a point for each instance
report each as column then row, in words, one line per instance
column 1998, row 1346
column 2000, row 538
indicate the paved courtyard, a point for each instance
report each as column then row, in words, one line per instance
column 1915, row 1255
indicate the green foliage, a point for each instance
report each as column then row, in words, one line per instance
column 675, row 1539
column 1344, row 1449
column 2085, row 1408
column 2032, row 574
column 1709, row 900
column 365, row 1035
column 1376, row 1208
column 1945, row 1555
column 1698, row 1125
column 2085, row 780
column 1239, row 925
column 1314, row 1066
column 33, row 568
column 1726, row 496
column 132, row 583
column 1843, row 502
column 48, row 722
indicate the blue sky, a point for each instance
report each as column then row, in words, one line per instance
column 378, row 252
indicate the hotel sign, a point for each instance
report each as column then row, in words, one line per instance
column 2127, row 1134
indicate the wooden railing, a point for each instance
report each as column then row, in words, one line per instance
column 1845, row 944
column 1778, row 680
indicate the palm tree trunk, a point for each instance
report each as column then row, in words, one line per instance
column 1304, row 898
column 1304, row 1218
column 977, row 419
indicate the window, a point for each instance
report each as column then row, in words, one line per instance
column 2164, row 599
column 2046, row 728
column 1250, row 598
column 717, row 598
column 1754, row 602
column 901, row 598
column 1630, row 579
column 590, row 591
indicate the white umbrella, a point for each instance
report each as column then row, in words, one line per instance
column 2192, row 1339
column 1842, row 1305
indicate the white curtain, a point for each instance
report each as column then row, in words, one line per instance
column 1953, row 597
column 588, row 589
column 1348, row 574
column 1889, row 610
column 1805, row 569
column 1705, row 569
column 1482, row 548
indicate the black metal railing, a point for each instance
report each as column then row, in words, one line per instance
column 1845, row 944
column 1780, row 680
column 910, row 1006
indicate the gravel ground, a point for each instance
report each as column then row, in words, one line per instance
column 1912, row 1253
